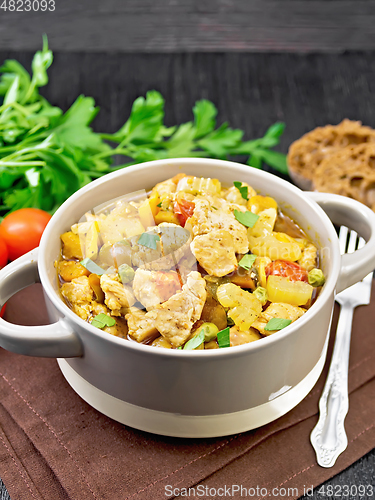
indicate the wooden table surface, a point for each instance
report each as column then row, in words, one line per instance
column 304, row 63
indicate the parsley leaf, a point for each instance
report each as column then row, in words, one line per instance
column 102, row 320
column 277, row 324
column 204, row 118
column 247, row 218
column 195, row 341
column 47, row 155
column 247, row 261
column 223, row 337
column 244, row 191
column 92, row 267
column 149, row 240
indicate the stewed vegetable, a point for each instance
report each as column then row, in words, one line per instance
column 189, row 265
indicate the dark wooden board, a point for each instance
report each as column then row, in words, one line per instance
column 251, row 91
column 182, row 25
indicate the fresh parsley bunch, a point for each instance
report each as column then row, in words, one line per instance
column 46, row 155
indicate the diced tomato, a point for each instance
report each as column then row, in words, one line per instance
column 290, row 270
column 183, row 210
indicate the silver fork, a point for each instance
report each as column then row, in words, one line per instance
column 328, row 436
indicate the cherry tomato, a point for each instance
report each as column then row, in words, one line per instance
column 22, row 229
column 183, row 209
column 3, row 310
column 288, row 269
column 3, row 253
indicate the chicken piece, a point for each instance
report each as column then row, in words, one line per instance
column 120, row 329
column 79, row 295
column 207, row 218
column 145, row 289
column 215, row 252
column 118, row 297
column 140, row 326
column 154, row 287
column 238, row 337
column 233, row 194
column 174, row 239
column 99, row 308
column 277, row 310
column 70, row 269
column 175, row 317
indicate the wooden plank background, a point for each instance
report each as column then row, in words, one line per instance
column 192, row 25
column 250, row 90
column 305, row 62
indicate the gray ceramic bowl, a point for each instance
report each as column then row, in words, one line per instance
column 190, row 393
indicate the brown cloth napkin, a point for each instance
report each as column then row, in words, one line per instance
column 54, row 446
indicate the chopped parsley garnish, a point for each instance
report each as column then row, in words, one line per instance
column 92, row 267
column 277, row 324
column 149, row 240
column 102, row 320
column 159, row 205
column 244, row 191
column 247, row 218
column 223, row 337
column 247, row 261
column 195, row 341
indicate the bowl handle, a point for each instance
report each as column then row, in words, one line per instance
column 351, row 213
column 57, row 340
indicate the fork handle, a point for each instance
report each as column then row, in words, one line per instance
column 347, row 212
column 328, row 436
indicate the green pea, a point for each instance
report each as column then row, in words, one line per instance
column 210, row 331
column 316, row 277
column 126, row 273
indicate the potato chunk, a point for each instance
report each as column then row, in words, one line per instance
column 238, row 337
column 70, row 269
column 71, row 248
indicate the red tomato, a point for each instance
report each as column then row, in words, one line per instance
column 288, row 269
column 183, row 210
column 3, row 253
column 3, row 310
column 21, row 230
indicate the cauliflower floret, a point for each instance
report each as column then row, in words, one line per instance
column 79, row 294
column 175, row 317
column 118, row 297
column 277, row 310
column 215, row 252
